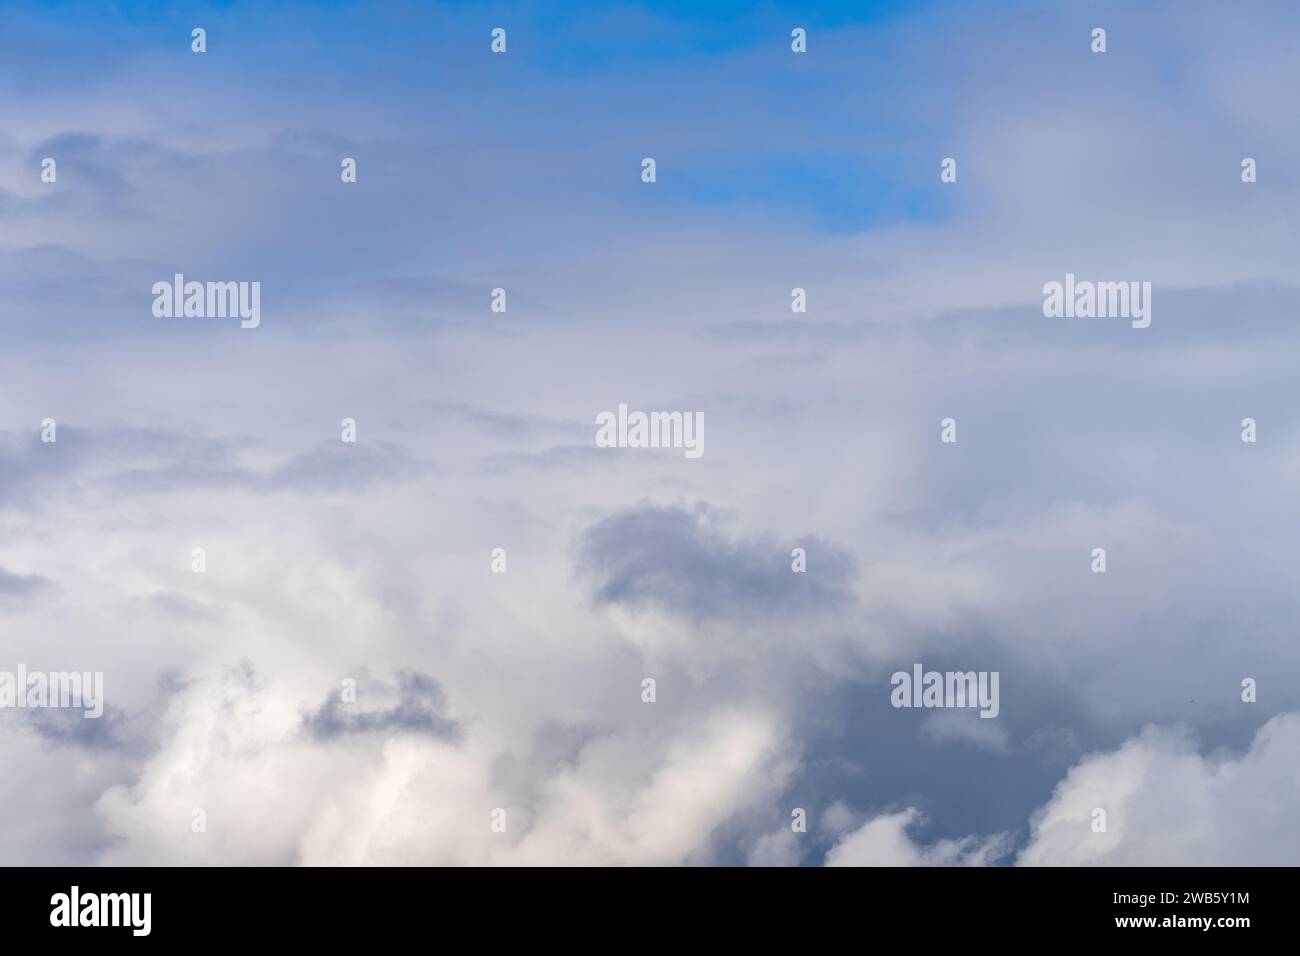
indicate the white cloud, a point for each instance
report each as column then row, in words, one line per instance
column 273, row 795
column 1167, row 805
column 884, row 841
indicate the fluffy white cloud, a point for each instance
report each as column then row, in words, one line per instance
column 273, row 793
column 884, row 841
column 1167, row 805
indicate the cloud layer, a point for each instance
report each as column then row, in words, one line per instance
column 369, row 566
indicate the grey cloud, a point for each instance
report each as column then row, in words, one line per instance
column 69, row 727
column 340, row 466
column 21, row 587
column 331, row 466
column 88, row 178
column 858, row 749
column 183, row 607
column 802, row 332
column 502, row 424
column 29, row 466
column 128, row 460
column 681, row 560
column 130, row 733
column 420, row 709
column 557, row 457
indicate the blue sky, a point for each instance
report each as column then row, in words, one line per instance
column 407, row 55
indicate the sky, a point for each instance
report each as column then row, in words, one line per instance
column 230, row 735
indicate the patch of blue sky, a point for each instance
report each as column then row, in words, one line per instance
column 837, row 193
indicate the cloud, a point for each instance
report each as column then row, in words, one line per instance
column 775, row 849
column 135, row 460
column 420, row 709
column 112, row 730
column 1166, row 804
column 21, row 587
column 474, row 433
column 884, row 841
column 964, row 726
column 683, row 561
column 390, row 796
column 339, row 466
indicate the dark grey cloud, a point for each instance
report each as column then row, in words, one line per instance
column 420, row 708
column 128, row 733
column 681, row 560
column 859, row 750
column 70, row 727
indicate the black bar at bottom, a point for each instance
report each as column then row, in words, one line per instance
column 558, row 906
